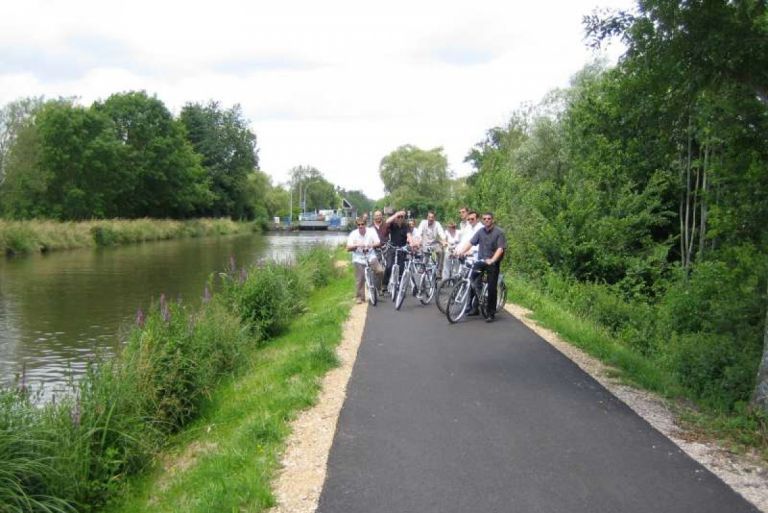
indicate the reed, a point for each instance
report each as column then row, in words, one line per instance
column 75, row 452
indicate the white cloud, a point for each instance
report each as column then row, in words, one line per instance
column 335, row 84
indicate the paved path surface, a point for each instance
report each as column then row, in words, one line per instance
column 477, row 418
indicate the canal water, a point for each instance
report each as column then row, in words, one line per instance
column 59, row 310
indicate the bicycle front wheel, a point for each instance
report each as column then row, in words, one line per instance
column 428, row 290
column 457, row 302
column 501, row 296
column 393, row 278
column 370, row 283
column 443, row 291
column 401, row 289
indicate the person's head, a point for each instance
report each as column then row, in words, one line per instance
column 472, row 217
column 488, row 220
column 360, row 222
column 430, row 217
column 377, row 216
column 463, row 211
column 400, row 218
column 411, row 224
column 451, row 226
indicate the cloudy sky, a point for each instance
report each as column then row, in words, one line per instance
column 332, row 84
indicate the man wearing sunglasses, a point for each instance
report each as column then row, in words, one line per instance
column 361, row 242
column 491, row 244
column 399, row 236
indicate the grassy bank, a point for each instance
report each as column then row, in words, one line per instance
column 633, row 351
column 20, row 237
column 77, row 453
column 226, row 460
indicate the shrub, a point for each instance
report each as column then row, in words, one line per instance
column 104, row 235
column 714, row 368
column 317, row 263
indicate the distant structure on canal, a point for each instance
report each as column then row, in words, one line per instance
column 321, row 219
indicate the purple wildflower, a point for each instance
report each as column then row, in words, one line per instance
column 206, row 295
column 140, row 318
column 165, row 311
column 232, row 264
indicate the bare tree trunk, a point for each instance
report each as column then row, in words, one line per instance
column 686, row 220
column 703, row 202
column 760, row 394
column 694, row 209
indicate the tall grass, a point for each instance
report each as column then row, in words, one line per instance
column 75, row 452
column 20, row 237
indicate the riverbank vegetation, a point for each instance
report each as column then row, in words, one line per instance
column 242, row 427
column 23, row 237
column 75, row 453
column 637, row 201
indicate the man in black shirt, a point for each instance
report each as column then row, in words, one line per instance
column 491, row 244
column 399, row 236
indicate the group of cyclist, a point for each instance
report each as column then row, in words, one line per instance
column 474, row 235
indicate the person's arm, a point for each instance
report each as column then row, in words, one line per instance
column 496, row 256
column 376, row 242
column 351, row 246
column 391, row 219
column 441, row 234
column 467, row 245
column 462, row 248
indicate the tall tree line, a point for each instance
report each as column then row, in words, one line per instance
column 648, row 184
column 128, row 156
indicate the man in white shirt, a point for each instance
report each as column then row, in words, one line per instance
column 452, row 238
column 469, row 230
column 361, row 242
column 431, row 235
column 463, row 213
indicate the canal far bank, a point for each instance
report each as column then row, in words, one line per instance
column 41, row 235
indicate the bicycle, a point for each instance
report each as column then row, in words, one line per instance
column 405, row 280
column 458, row 300
column 394, row 275
column 454, row 273
column 370, row 281
column 381, row 255
column 425, row 275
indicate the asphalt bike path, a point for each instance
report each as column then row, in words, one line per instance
column 478, row 417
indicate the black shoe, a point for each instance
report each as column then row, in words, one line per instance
column 473, row 313
column 490, row 318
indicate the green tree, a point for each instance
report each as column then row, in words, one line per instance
column 22, row 194
column 229, row 152
column 414, row 178
column 81, row 160
column 311, row 190
column 14, row 117
column 166, row 176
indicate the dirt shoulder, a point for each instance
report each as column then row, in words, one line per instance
column 301, row 478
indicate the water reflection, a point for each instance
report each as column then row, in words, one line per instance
column 59, row 310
